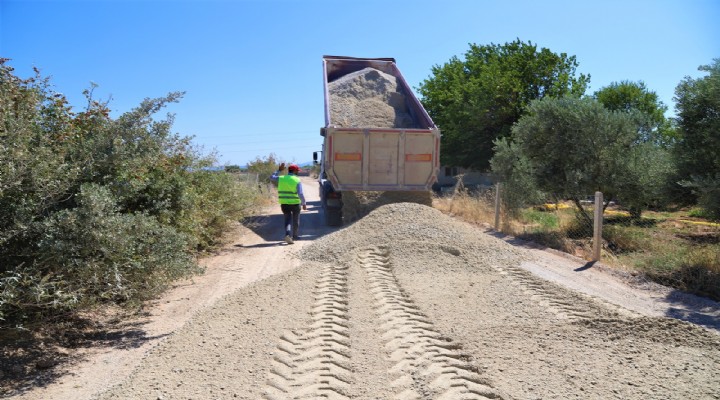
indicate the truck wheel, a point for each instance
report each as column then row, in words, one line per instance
column 333, row 216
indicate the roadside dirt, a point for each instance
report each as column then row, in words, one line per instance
column 406, row 303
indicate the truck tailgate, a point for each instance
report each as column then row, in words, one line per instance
column 381, row 159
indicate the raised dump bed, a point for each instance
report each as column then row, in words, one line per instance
column 377, row 135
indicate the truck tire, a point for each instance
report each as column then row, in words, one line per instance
column 333, row 216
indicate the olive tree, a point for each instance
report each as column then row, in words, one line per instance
column 698, row 120
column 571, row 147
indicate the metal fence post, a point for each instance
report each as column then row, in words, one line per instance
column 597, row 231
column 497, row 206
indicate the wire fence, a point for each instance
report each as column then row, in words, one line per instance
column 252, row 180
column 670, row 246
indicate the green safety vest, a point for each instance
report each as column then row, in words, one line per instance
column 287, row 189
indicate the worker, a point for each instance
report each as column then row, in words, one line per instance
column 290, row 194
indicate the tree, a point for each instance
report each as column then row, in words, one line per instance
column 627, row 96
column 572, row 147
column 235, row 169
column 698, row 146
column 477, row 100
column 264, row 167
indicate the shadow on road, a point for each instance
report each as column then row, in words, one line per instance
column 691, row 308
column 33, row 364
column 270, row 227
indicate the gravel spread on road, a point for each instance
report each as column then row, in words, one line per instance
column 408, row 303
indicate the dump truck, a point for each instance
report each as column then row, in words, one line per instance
column 377, row 135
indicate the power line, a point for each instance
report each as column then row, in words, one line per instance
column 273, row 149
column 262, row 142
column 262, row 134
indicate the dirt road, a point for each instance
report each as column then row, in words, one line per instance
column 406, row 303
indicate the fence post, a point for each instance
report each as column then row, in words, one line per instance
column 497, row 206
column 597, row 231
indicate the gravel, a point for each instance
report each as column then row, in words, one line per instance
column 368, row 98
column 408, row 303
column 358, row 204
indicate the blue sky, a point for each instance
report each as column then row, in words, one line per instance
column 252, row 70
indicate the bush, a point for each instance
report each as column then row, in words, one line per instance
column 212, row 200
column 708, row 192
column 93, row 253
column 95, row 209
column 692, row 269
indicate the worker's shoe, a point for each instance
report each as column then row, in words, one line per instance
column 288, row 239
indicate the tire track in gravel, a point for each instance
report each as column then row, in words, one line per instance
column 565, row 304
column 426, row 363
column 314, row 363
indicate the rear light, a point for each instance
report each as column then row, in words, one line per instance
column 333, row 195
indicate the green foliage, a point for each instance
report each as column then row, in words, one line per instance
column 650, row 160
column 635, row 96
column 212, row 200
column 113, row 255
column 647, row 166
column 571, row 147
column 96, row 209
column 515, row 172
column 692, row 269
column 696, row 153
column 698, row 212
column 627, row 238
column 707, row 189
column 475, row 101
column 546, row 220
column 264, row 167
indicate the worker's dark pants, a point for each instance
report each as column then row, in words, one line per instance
column 292, row 219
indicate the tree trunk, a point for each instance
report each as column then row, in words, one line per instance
column 584, row 216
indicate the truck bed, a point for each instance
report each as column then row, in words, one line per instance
column 372, row 158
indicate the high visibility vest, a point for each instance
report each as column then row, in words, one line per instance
column 287, row 189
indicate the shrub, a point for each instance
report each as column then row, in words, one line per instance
column 93, row 253
column 692, row 269
column 622, row 239
column 708, row 191
column 95, row 209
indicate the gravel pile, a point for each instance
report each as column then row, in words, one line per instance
column 358, row 204
column 369, row 98
column 415, row 226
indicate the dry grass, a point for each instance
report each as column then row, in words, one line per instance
column 475, row 209
column 672, row 248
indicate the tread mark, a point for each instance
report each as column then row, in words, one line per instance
column 314, row 363
column 424, row 358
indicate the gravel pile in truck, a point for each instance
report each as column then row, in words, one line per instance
column 371, row 98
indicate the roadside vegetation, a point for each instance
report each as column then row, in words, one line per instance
column 676, row 248
column 521, row 114
column 99, row 210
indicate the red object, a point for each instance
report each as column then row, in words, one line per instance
column 293, row 168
